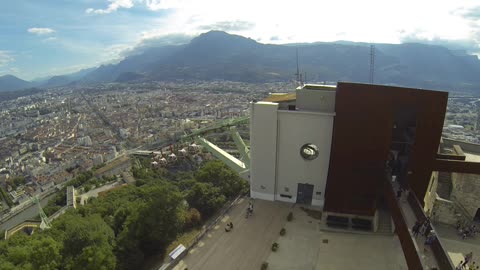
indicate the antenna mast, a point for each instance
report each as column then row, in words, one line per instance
column 298, row 74
column 372, row 62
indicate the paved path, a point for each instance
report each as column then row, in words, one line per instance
column 306, row 246
column 456, row 247
column 94, row 192
column 246, row 246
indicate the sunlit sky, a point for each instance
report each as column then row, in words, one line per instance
column 41, row 38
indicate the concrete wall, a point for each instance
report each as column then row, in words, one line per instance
column 466, row 191
column 468, row 147
column 263, row 143
column 445, row 212
column 295, row 129
column 316, row 100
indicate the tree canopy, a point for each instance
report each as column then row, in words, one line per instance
column 122, row 228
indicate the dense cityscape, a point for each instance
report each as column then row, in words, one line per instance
column 47, row 138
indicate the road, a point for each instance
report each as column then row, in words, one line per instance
column 29, row 213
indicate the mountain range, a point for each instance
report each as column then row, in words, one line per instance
column 217, row 55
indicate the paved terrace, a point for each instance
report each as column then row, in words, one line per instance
column 304, row 246
column 246, row 246
column 455, row 246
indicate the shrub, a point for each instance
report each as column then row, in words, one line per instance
column 275, row 246
column 290, row 216
column 264, row 266
column 193, row 218
column 282, row 232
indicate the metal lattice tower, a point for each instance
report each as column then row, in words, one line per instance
column 372, row 63
column 46, row 224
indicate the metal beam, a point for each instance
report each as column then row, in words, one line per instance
column 241, row 146
column 229, row 160
column 445, row 165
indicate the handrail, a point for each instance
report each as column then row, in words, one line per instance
column 441, row 255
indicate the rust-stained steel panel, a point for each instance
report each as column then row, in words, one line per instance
column 362, row 136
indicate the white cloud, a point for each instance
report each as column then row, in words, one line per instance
column 6, row 58
column 310, row 21
column 165, row 4
column 50, row 39
column 40, row 31
column 14, row 70
column 113, row 6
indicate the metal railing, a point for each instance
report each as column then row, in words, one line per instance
column 441, row 255
column 407, row 241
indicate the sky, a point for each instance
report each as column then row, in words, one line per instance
column 41, row 38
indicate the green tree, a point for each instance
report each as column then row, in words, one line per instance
column 206, row 198
column 45, row 253
column 36, row 252
column 161, row 219
column 217, row 173
column 95, row 258
column 81, row 236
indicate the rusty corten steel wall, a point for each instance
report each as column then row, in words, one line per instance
column 361, row 141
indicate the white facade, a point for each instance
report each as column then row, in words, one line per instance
column 277, row 136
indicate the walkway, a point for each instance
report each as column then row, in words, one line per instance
column 427, row 256
column 94, row 192
column 26, row 224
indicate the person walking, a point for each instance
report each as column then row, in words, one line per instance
column 467, row 259
column 416, row 229
column 459, row 266
column 399, row 193
column 423, row 228
column 431, row 237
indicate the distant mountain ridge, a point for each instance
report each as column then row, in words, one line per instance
column 218, row 55
column 10, row 82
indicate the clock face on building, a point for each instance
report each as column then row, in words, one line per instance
column 309, row 151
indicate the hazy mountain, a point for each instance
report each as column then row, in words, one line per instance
column 220, row 56
column 138, row 63
column 129, row 77
column 10, row 82
column 67, row 79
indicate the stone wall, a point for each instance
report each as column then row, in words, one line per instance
column 466, row 192
column 431, row 194
column 444, row 212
